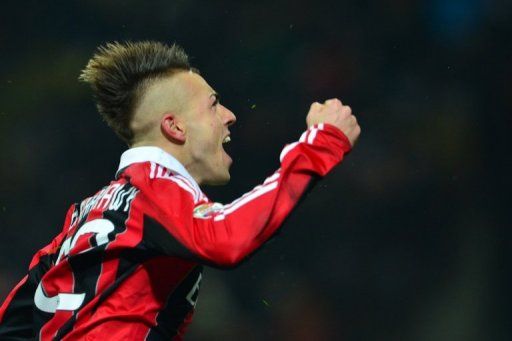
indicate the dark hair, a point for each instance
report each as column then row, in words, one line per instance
column 120, row 72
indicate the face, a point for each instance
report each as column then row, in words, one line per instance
column 206, row 123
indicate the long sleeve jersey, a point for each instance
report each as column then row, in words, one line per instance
column 128, row 262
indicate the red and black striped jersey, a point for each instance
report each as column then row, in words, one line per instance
column 128, row 262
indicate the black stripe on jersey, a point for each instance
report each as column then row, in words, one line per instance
column 158, row 238
column 21, row 320
column 66, row 328
column 129, row 260
column 87, row 267
column 177, row 307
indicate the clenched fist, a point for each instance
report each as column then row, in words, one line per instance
column 335, row 113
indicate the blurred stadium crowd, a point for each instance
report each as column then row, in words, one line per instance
column 407, row 240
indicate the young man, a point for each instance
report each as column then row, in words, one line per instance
column 128, row 262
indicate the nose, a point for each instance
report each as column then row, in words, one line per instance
column 228, row 117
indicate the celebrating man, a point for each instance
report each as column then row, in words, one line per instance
column 128, row 262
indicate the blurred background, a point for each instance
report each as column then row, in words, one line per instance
column 407, row 240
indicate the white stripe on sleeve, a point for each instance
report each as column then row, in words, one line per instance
column 304, row 136
column 184, row 186
column 253, row 195
column 312, row 135
column 287, row 149
column 152, row 172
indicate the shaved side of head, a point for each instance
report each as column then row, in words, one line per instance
column 173, row 95
column 161, row 96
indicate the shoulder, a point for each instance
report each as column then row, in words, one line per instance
column 151, row 176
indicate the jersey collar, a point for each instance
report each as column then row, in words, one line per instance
column 156, row 155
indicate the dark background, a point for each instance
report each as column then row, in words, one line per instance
column 407, row 240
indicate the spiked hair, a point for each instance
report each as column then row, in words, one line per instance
column 119, row 73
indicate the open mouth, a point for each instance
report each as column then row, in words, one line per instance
column 226, row 144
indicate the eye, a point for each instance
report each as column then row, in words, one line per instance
column 216, row 99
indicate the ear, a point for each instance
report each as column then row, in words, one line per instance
column 172, row 129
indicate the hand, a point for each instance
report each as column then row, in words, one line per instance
column 335, row 113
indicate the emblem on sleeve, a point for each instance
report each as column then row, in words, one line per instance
column 206, row 211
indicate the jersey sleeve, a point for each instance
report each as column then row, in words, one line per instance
column 180, row 223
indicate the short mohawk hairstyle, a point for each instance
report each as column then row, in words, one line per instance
column 118, row 74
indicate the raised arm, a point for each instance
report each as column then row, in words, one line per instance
column 223, row 235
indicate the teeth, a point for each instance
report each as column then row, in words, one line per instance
column 227, row 139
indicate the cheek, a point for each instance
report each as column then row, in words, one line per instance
column 215, row 131
column 207, row 141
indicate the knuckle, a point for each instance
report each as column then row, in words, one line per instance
column 346, row 112
column 334, row 101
